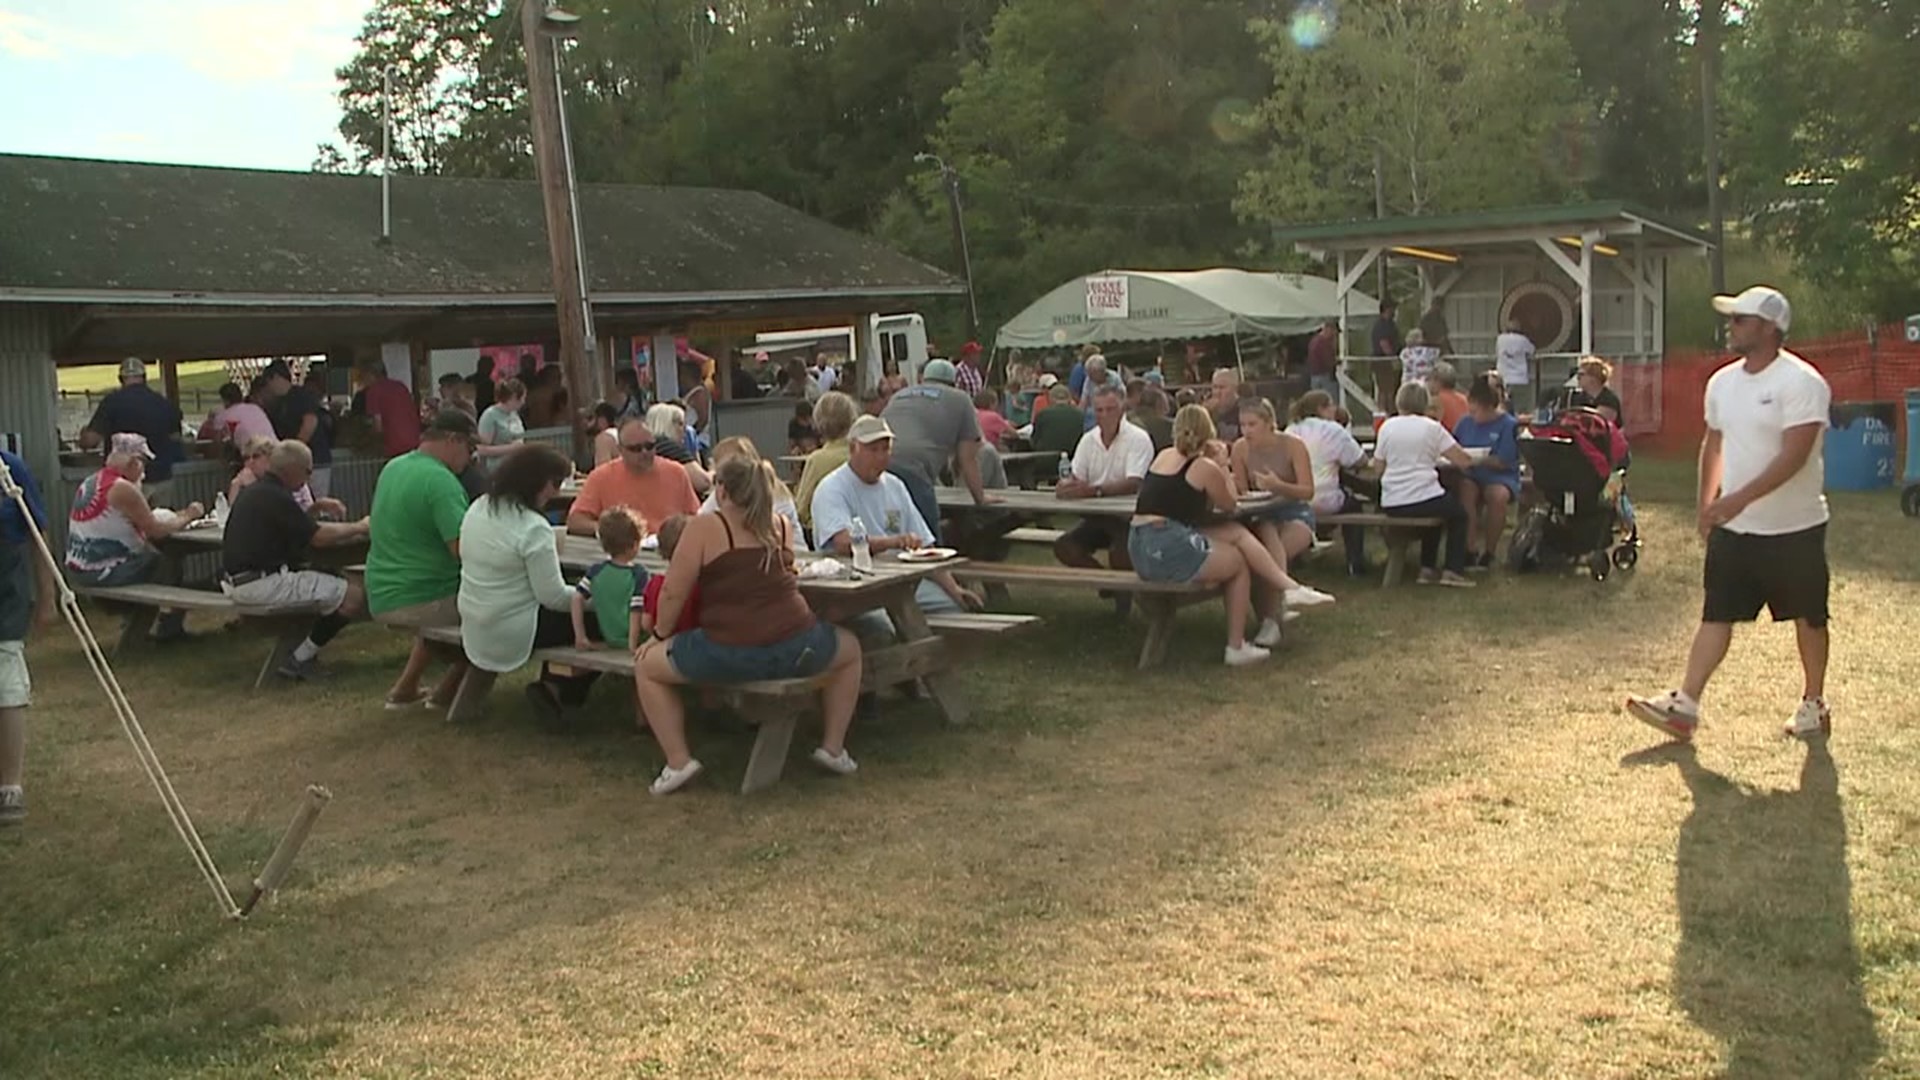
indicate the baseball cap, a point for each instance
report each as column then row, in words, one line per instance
column 940, row 371
column 869, row 429
column 133, row 368
column 451, row 422
column 971, row 348
column 132, row 445
column 1047, row 380
column 1759, row 301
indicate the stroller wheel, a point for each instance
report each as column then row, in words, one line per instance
column 1523, row 551
column 1910, row 501
column 1598, row 565
column 1626, row 556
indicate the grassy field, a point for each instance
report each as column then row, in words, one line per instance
column 100, row 378
column 1421, row 842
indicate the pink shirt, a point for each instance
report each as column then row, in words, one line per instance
column 242, row 422
column 994, row 428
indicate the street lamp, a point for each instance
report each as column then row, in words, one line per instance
column 542, row 26
column 951, row 178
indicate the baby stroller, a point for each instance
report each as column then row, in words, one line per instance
column 1582, row 515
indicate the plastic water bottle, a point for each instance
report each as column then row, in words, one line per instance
column 220, row 508
column 862, row 551
column 1066, row 468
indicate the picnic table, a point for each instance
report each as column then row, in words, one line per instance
column 1027, row 468
column 1044, row 501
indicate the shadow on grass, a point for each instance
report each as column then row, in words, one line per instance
column 1767, row 962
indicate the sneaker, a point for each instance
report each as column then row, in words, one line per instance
column 301, row 670
column 671, row 779
column 1456, row 581
column 1670, row 712
column 1811, row 720
column 1269, row 634
column 13, row 806
column 1428, row 577
column 1306, row 596
column 1245, row 654
column 394, row 704
column 840, row 764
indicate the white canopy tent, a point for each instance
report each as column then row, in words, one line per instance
column 1169, row 305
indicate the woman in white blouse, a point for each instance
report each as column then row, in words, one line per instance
column 1411, row 447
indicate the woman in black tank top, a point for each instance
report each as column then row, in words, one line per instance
column 1180, row 535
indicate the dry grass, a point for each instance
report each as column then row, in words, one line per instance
column 1425, row 844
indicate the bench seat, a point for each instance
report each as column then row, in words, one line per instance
column 1398, row 532
column 144, row 602
column 1161, row 601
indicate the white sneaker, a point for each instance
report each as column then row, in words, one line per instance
column 1671, row 712
column 1306, row 596
column 1245, row 654
column 671, row 779
column 1269, row 634
column 841, row 763
column 1811, row 720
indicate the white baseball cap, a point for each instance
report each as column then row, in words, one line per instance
column 1759, row 301
column 869, row 429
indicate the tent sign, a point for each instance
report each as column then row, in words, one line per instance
column 1107, row 297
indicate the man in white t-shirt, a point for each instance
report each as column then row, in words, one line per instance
column 1110, row 460
column 1762, row 512
column 1513, row 359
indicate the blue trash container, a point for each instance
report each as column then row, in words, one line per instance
column 1859, row 446
column 1913, row 436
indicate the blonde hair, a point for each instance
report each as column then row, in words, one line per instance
column 1192, row 429
column 833, row 415
column 1596, row 367
column 1412, row 400
column 741, row 446
column 256, row 445
column 1260, row 407
column 748, row 484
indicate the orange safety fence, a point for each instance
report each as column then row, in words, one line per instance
column 1860, row 366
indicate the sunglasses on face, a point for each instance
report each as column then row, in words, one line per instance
column 643, row 448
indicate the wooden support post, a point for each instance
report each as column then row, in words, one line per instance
column 776, row 719
column 1160, row 609
column 910, row 623
column 470, row 701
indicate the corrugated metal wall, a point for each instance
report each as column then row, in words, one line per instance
column 29, row 386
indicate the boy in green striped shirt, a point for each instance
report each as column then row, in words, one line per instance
column 612, row 588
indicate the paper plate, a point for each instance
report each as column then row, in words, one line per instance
column 931, row 554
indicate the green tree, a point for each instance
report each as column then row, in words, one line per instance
column 1464, row 104
column 1642, row 141
column 1823, row 151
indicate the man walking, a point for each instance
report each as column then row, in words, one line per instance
column 1762, row 512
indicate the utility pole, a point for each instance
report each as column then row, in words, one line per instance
column 950, row 178
column 1712, row 23
column 537, row 21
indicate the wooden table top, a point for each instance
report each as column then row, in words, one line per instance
column 577, row 553
column 1044, row 501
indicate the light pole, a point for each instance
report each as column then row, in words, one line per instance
column 542, row 25
column 951, row 179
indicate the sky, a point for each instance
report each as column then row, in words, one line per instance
column 199, row 82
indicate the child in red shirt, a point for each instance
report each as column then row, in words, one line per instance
column 670, row 531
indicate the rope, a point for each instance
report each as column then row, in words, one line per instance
column 122, row 708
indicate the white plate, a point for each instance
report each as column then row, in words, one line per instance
column 1256, row 496
column 931, row 554
column 1477, row 453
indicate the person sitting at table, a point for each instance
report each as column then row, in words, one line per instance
column 237, row 421
column 671, row 530
column 641, row 480
column 833, row 415
column 754, row 625
column 1154, row 417
column 995, row 429
column 867, row 489
column 612, row 588
column 257, row 460
column 802, row 437
column 1177, row 536
column 1411, row 448
column 1264, row 458
column 266, row 541
column 413, row 559
column 1443, row 387
column 1110, row 460
column 1057, row 427
column 111, row 531
column 668, row 424
column 1492, row 484
column 501, row 429
column 512, row 598
column 783, row 501
column 1331, row 448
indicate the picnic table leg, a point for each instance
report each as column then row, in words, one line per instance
column 1160, row 609
column 1396, row 555
column 910, row 623
column 139, row 624
column 471, row 699
column 288, row 639
column 776, row 722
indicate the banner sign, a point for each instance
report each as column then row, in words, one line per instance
column 1107, row 297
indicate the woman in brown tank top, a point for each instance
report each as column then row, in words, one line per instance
column 754, row 624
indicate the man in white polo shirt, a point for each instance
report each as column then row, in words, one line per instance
column 1110, row 460
column 1763, row 512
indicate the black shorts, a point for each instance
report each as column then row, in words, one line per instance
column 1098, row 534
column 1786, row 574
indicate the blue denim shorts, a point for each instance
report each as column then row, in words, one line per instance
column 1285, row 510
column 1167, row 551
column 699, row 659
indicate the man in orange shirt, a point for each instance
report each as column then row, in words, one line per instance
column 651, row 486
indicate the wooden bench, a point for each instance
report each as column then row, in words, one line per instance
column 773, row 707
column 142, row 605
column 1397, row 532
column 1160, row 600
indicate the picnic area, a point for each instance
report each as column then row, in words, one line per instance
column 1461, row 862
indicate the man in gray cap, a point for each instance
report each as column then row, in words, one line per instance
column 932, row 424
column 137, row 409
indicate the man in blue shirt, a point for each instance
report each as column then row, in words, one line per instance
column 27, row 597
column 138, row 409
